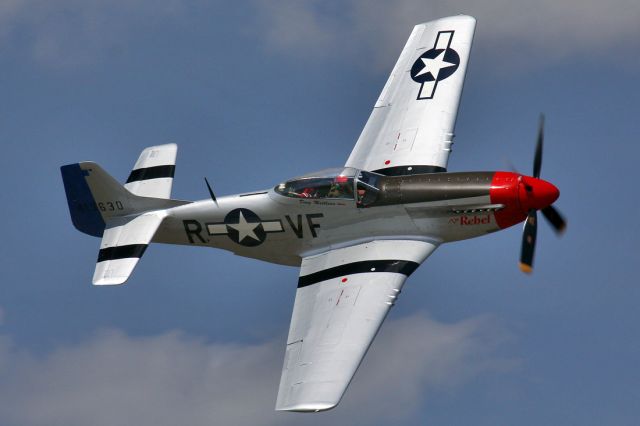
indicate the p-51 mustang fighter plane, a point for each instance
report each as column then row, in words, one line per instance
column 356, row 232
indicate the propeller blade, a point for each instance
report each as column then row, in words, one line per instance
column 529, row 242
column 537, row 160
column 556, row 220
column 213, row 197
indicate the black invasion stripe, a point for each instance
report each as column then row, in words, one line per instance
column 404, row 267
column 409, row 170
column 121, row 252
column 152, row 173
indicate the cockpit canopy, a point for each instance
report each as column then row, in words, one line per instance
column 343, row 183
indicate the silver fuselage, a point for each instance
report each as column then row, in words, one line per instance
column 455, row 207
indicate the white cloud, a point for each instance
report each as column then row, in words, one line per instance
column 170, row 379
column 528, row 33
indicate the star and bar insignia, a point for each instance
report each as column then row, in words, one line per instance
column 434, row 65
column 245, row 227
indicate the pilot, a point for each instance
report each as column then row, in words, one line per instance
column 335, row 191
column 340, row 190
column 307, row 193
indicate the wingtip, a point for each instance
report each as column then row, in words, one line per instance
column 461, row 17
column 308, row 407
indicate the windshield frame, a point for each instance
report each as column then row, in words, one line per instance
column 367, row 188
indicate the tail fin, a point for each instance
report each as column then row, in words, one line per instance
column 126, row 217
column 94, row 197
column 152, row 175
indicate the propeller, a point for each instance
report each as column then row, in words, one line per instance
column 555, row 219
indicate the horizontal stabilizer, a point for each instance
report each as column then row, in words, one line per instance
column 152, row 175
column 124, row 242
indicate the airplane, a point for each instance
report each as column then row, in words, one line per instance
column 356, row 232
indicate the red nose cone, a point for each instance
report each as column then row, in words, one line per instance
column 537, row 193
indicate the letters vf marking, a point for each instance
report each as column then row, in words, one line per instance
column 297, row 227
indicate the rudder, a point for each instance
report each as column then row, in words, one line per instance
column 83, row 209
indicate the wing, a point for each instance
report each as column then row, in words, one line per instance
column 342, row 298
column 411, row 127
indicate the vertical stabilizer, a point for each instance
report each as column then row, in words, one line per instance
column 94, row 197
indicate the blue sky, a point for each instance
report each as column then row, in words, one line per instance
column 255, row 93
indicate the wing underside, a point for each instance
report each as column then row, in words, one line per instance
column 342, row 299
column 411, row 127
